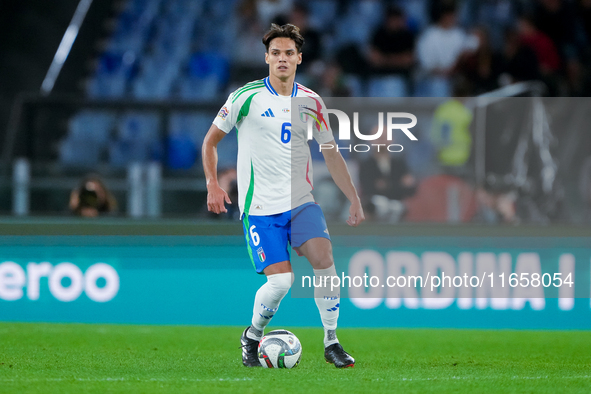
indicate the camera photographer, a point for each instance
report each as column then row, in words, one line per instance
column 92, row 198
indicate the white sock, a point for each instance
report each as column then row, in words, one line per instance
column 266, row 302
column 328, row 303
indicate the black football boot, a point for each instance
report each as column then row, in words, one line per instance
column 335, row 354
column 249, row 347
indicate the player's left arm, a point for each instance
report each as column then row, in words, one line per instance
column 340, row 174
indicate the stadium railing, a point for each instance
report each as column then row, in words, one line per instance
column 30, row 158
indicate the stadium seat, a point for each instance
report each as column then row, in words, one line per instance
column 361, row 19
column 79, row 152
column 114, row 71
column 416, row 13
column 138, row 126
column 198, row 89
column 388, row 86
column 151, row 44
column 143, row 6
column 182, row 8
column 353, row 30
column 433, row 87
column 322, row 13
column 196, row 125
column 106, row 87
column 371, row 11
column 209, row 64
column 186, row 132
column 182, row 153
column 91, row 125
column 152, row 89
column 137, row 139
column 355, row 85
column 208, row 73
column 124, row 152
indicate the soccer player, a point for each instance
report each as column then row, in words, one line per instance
column 275, row 214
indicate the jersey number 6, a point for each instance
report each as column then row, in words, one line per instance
column 286, row 132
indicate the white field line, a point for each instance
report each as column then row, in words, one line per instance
column 249, row 379
column 123, row 380
column 487, row 378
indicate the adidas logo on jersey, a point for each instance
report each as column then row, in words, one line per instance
column 268, row 114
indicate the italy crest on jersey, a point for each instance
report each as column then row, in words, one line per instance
column 261, row 254
column 316, row 114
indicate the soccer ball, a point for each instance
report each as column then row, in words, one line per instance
column 280, row 349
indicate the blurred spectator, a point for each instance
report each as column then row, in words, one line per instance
column 450, row 131
column 384, row 174
column 268, row 10
column 312, row 49
column 495, row 16
column 352, row 60
column 557, row 20
column 439, row 49
column 545, row 50
column 496, row 207
column 578, row 71
column 520, row 61
column 248, row 49
column 92, row 198
column 393, row 45
column 436, row 7
column 577, row 79
column 483, row 67
column 333, row 83
column 541, row 44
column 441, row 45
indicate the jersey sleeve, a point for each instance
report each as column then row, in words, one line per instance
column 321, row 131
column 226, row 118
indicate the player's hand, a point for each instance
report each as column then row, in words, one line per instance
column 216, row 196
column 356, row 215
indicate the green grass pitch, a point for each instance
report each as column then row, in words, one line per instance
column 76, row 358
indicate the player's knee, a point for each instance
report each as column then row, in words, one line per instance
column 323, row 263
column 280, row 283
column 323, row 259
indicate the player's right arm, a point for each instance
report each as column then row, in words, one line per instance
column 216, row 196
column 230, row 115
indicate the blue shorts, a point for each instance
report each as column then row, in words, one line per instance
column 268, row 237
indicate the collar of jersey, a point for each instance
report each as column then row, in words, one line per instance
column 294, row 91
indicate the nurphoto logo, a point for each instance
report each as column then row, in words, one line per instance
column 315, row 118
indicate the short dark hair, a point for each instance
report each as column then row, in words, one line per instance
column 285, row 31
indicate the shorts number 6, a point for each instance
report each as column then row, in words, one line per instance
column 254, row 236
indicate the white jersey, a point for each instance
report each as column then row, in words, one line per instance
column 271, row 153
